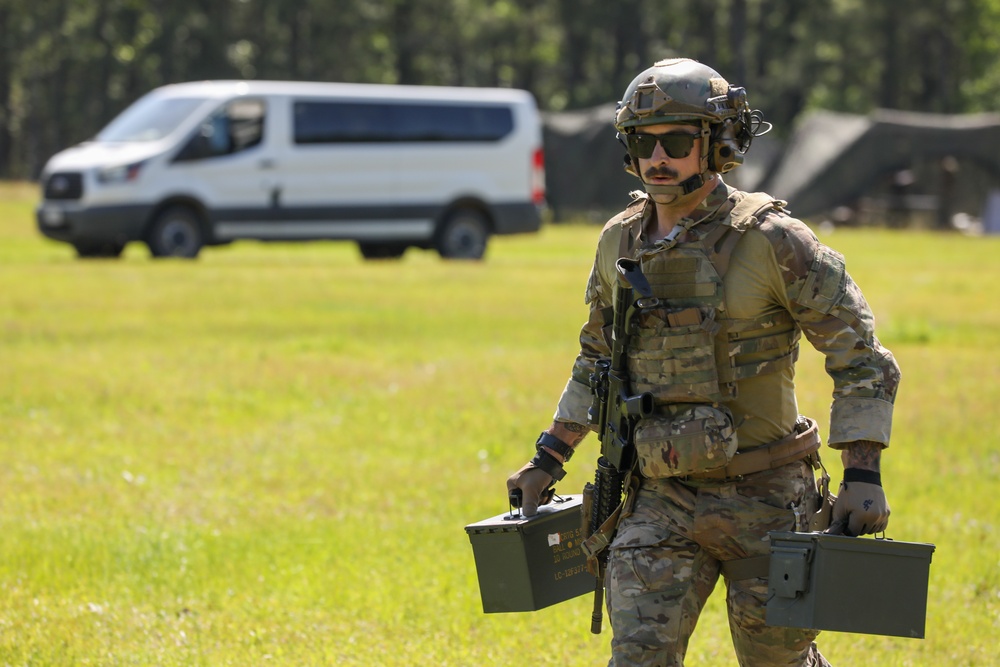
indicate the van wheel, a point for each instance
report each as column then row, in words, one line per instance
column 381, row 250
column 176, row 232
column 463, row 235
column 95, row 249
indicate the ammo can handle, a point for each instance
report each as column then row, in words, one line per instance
column 515, row 497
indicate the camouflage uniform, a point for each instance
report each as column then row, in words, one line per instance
column 667, row 555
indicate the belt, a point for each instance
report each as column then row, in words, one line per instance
column 797, row 445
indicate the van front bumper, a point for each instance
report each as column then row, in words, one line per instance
column 70, row 223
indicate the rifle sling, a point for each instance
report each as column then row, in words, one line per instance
column 596, row 544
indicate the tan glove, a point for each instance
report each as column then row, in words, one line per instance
column 861, row 507
column 530, row 487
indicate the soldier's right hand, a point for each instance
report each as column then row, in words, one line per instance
column 535, row 485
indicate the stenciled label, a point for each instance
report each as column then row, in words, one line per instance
column 569, row 572
column 566, row 545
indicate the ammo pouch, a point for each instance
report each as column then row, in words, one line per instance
column 685, row 439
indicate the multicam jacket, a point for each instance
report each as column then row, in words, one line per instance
column 779, row 274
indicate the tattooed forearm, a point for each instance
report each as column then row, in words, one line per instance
column 864, row 454
column 570, row 432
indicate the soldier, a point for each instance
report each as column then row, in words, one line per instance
column 725, row 458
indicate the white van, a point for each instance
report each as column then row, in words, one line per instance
column 388, row 167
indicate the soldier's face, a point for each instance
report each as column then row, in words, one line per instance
column 660, row 168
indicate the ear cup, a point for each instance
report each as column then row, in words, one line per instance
column 723, row 157
column 722, row 153
column 630, row 165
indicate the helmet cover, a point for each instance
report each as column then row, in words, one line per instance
column 682, row 90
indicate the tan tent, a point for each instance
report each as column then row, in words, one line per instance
column 889, row 167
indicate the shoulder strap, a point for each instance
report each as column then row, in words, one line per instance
column 751, row 206
column 749, row 209
column 630, row 216
column 627, row 224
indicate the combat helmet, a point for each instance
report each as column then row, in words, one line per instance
column 681, row 90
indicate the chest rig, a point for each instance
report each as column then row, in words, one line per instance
column 689, row 349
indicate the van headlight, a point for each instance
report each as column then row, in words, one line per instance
column 120, row 174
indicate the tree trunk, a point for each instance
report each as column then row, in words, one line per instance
column 7, row 48
column 404, row 39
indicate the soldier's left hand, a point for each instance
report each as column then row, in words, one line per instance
column 861, row 508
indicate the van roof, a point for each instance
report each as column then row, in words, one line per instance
column 232, row 88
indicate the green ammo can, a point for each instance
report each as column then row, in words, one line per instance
column 525, row 564
column 848, row 584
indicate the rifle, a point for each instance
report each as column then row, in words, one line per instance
column 615, row 412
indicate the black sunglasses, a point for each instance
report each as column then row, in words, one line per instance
column 675, row 144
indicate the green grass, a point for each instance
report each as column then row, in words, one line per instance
column 268, row 455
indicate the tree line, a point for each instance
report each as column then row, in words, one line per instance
column 68, row 66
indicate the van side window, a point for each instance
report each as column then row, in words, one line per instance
column 237, row 126
column 319, row 122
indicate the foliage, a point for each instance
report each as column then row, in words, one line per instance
column 67, row 66
column 268, row 455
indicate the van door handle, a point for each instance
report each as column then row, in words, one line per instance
column 266, row 163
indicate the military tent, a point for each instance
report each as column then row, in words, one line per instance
column 889, row 167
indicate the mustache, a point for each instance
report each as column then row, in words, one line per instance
column 661, row 171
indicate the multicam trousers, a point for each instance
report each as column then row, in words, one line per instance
column 666, row 560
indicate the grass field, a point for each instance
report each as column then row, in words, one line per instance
column 267, row 456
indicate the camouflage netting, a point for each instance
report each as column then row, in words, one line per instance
column 583, row 164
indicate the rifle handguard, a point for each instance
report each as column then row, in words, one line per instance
column 548, row 464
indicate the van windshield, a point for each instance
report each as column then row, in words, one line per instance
column 150, row 119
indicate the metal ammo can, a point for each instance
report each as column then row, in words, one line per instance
column 848, row 584
column 525, row 564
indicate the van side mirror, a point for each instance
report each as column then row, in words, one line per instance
column 211, row 140
column 196, row 148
